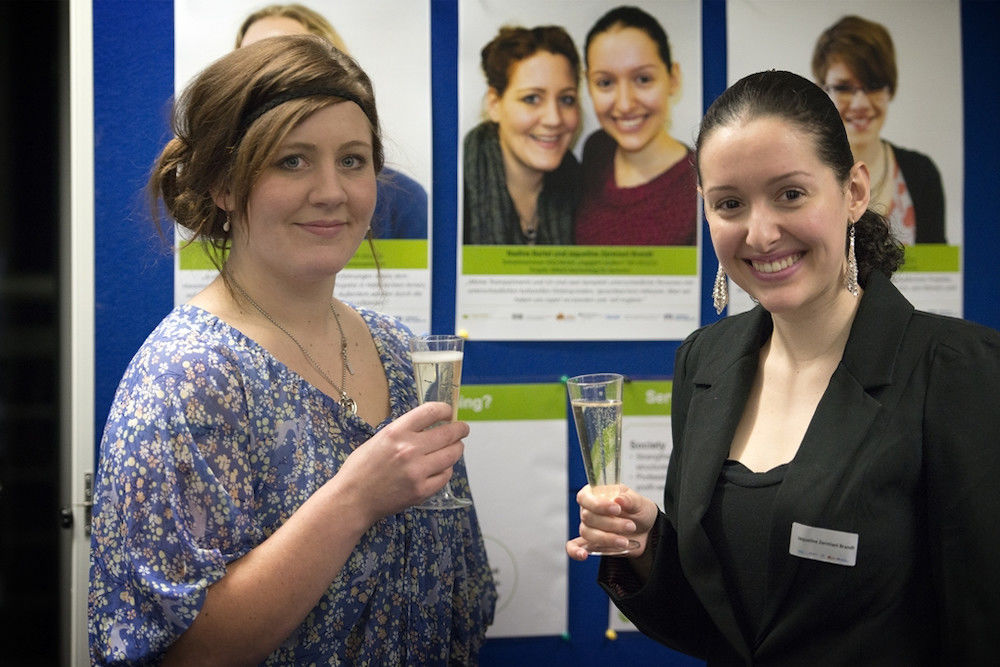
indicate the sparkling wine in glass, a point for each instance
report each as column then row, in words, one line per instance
column 437, row 368
column 596, row 400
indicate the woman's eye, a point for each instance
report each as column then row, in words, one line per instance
column 531, row 99
column 643, row 79
column 726, row 205
column 791, row 195
column 353, row 162
column 602, row 83
column 292, row 162
column 568, row 100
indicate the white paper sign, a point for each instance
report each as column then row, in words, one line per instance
column 646, row 447
column 516, row 455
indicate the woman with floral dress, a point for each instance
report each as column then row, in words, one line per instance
column 264, row 450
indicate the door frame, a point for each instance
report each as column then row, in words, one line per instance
column 77, row 309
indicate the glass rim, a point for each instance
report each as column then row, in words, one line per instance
column 437, row 343
column 595, row 378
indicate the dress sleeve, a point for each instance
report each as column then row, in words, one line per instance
column 173, row 502
column 962, row 449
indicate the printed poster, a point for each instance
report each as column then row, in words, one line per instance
column 516, row 459
column 594, row 270
column 646, row 446
column 400, row 72
column 923, row 115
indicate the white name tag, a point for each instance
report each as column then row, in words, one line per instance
column 828, row 546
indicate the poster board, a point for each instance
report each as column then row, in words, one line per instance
column 133, row 79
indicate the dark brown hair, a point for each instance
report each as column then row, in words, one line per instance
column 802, row 103
column 514, row 44
column 631, row 17
column 864, row 46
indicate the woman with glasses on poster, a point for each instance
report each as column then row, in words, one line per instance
column 521, row 180
column 638, row 180
column 854, row 61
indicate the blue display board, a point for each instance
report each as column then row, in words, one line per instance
column 133, row 84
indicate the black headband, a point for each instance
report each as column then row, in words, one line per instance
column 253, row 114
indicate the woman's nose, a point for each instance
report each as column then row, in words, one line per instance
column 859, row 100
column 623, row 97
column 552, row 115
column 762, row 232
column 328, row 188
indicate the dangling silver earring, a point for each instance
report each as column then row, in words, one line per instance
column 720, row 291
column 851, row 278
column 226, row 226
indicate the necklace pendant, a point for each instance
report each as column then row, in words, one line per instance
column 348, row 403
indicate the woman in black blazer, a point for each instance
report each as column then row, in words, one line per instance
column 832, row 494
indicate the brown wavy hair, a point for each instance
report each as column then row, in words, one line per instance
column 212, row 152
column 513, row 44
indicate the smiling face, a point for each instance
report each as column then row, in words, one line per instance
column 630, row 87
column 778, row 215
column 863, row 113
column 538, row 114
column 309, row 210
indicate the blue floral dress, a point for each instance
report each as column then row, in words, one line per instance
column 211, row 444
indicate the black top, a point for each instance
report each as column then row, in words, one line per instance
column 923, row 181
column 738, row 524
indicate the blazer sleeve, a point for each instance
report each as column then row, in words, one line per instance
column 962, row 450
column 665, row 607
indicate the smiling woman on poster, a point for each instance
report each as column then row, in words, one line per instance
column 854, row 61
column 638, row 180
column 521, row 180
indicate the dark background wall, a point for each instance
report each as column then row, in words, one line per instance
column 33, row 63
column 134, row 276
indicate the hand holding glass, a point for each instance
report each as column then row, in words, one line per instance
column 437, row 368
column 596, row 400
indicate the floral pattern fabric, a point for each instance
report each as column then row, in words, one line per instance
column 210, row 445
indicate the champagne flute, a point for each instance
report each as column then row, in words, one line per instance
column 437, row 368
column 596, row 400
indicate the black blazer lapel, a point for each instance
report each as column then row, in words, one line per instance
column 839, row 430
column 720, row 384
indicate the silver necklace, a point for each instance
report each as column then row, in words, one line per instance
column 346, row 401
